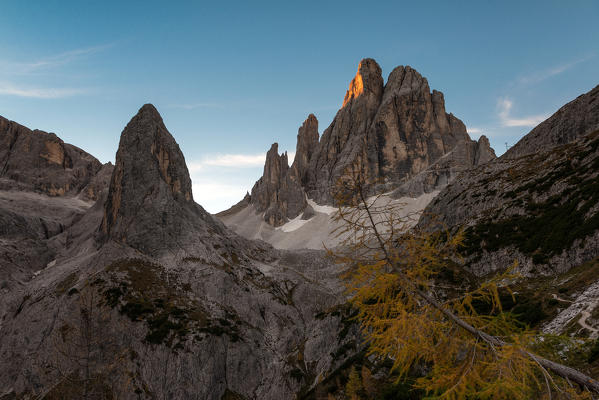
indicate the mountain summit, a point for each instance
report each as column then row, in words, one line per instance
column 150, row 204
column 397, row 133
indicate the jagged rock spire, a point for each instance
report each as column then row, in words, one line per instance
column 278, row 193
column 42, row 162
column 307, row 142
column 368, row 81
column 397, row 134
column 149, row 183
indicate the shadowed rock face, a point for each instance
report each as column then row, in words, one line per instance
column 574, row 120
column 150, row 204
column 42, row 162
column 397, row 134
column 538, row 202
column 307, row 142
column 392, row 134
column 221, row 315
column 278, row 193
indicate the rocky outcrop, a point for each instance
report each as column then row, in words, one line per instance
column 278, row 193
column 576, row 119
column 98, row 183
column 150, row 191
column 484, row 153
column 397, row 135
column 198, row 311
column 538, row 203
column 393, row 133
column 467, row 154
column 343, row 143
column 307, row 142
column 42, row 162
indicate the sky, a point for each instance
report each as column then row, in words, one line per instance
column 230, row 78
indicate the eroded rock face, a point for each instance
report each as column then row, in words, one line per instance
column 397, row 135
column 575, row 119
column 150, row 186
column 278, row 193
column 220, row 315
column 343, row 143
column 307, row 142
column 538, row 203
column 42, row 162
column 392, row 134
column 98, row 183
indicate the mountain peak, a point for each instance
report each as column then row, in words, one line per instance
column 368, row 79
column 149, row 174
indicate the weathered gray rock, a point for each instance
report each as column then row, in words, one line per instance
column 98, row 183
column 307, row 142
column 42, row 162
column 278, row 193
column 576, row 119
column 198, row 311
column 538, row 203
column 484, row 153
column 150, row 204
column 397, row 135
column 342, row 144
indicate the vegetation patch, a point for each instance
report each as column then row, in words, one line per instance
column 66, row 284
column 144, row 292
column 552, row 225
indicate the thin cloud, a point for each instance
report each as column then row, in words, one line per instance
column 540, row 76
column 8, row 89
column 233, row 161
column 505, row 107
column 57, row 60
column 215, row 197
column 195, row 106
column 474, row 130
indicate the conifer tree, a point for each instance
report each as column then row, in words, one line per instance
column 408, row 316
column 354, row 385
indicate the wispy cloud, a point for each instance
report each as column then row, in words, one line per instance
column 215, row 196
column 474, row 130
column 542, row 75
column 19, row 87
column 505, row 107
column 194, row 106
column 8, row 89
column 53, row 61
column 233, row 161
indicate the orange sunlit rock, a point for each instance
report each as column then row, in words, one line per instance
column 356, row 87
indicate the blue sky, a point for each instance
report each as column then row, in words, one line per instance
column 230, row 78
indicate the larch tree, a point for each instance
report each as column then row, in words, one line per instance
column 408, row 316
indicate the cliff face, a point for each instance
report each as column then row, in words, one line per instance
column 307, row 143
column 42, row 162
column 538, row 203
column 576, row 119
column 397, row 134
column 278, row 194
column 199, row 311
column 150, row 170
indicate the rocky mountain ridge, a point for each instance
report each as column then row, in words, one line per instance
column 39, row 161
column 396, row 133
column 538, row 203
column 181, row 307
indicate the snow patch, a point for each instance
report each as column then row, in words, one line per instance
column 322, row 209
column 293, row 224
